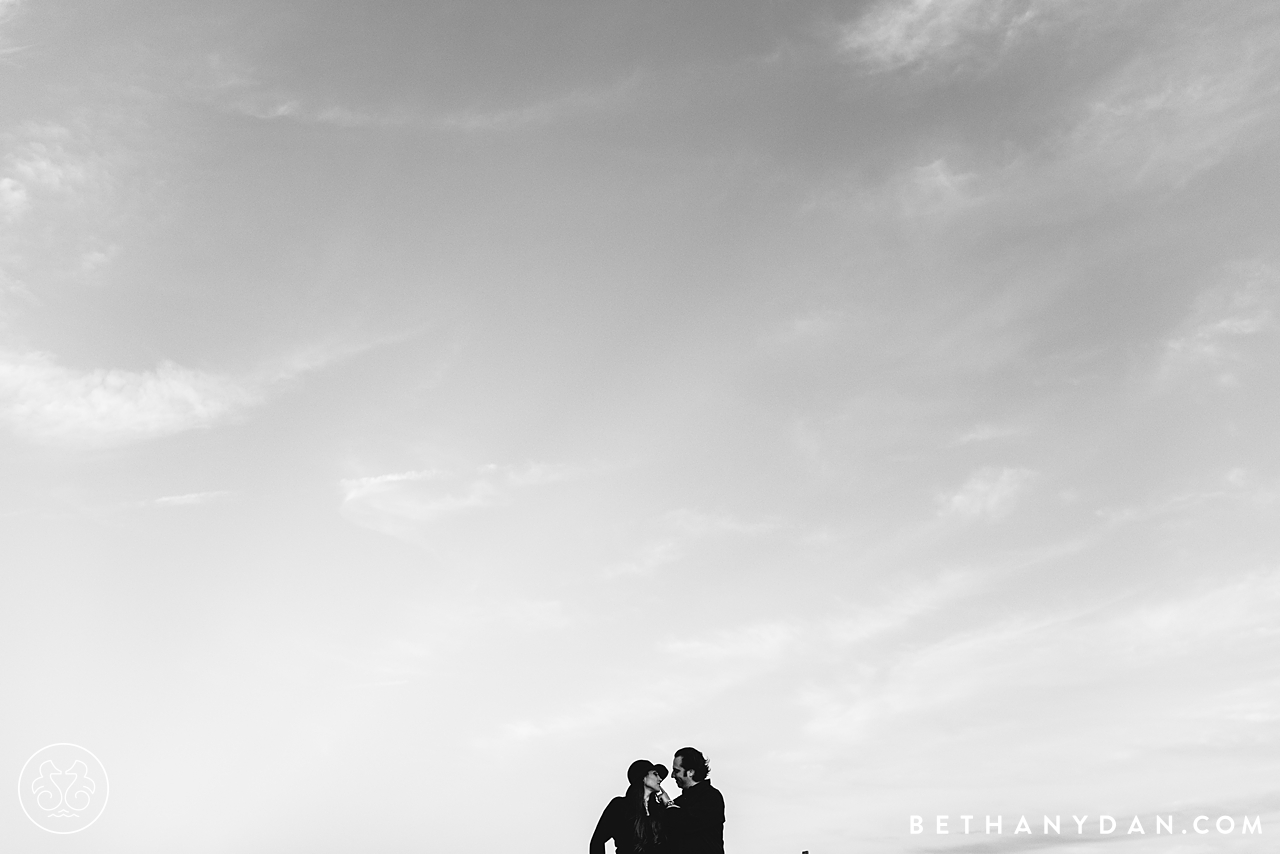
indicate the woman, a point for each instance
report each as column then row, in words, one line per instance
column 634, row 821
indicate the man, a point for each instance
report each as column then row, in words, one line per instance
column 697, row 827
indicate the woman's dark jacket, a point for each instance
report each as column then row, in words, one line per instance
column 618, row 822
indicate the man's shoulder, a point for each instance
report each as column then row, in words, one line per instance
column 704, row 791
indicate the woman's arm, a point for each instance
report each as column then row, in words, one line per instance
column 604, row 828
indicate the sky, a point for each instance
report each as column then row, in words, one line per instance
column 412, row 413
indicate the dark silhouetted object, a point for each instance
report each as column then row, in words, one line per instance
column 696, row 824
column 634, row 826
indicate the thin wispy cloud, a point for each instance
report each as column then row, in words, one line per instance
column 1193, row 630
column 680, row 531
column 43, row 158
column 1199, row 96
column 427, row 635
column 1226, row 319
column 8, row 11
column 1170, row 116
column 936, row 189
column 593, row 715
column 13, row 198
column 988, row 494
column 802, row 643
column 231, row 84
column 48, row 403
column 401, row 501
column 698, row 674
column 809, row 329
column 59, row 196
column 592, row 99
column 988, row 433
column 270, row 106
column 237, row 88
column 900, row 33
column 191, row 499
column 1219, row 614
column 764, row 642
column 1174, row 505
column 853, row 708
column 650, row 557
column 698, row 523
column 899, row 610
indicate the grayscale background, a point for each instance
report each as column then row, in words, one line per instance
column 413, row 412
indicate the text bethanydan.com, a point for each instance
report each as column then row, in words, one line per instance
column 1103, row 825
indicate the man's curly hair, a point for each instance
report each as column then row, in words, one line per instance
column 693, row 760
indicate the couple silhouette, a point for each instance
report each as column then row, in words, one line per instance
column 646, row 820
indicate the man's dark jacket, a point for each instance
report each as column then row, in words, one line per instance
column 698, row 826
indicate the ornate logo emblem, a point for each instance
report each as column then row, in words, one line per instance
column 63, row 788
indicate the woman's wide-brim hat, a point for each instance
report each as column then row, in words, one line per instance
column 638, row 770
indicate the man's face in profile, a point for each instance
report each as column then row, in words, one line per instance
column 683, row 778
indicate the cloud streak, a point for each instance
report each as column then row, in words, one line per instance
column 13, row 199
column 58, row 195
column 988, row 494
column 191, row 499
column 404, row 501
column 1216, row 335
column 1170, row 116
column 679, row 530
column 45, row 402
column 238, row 90
column 591, row 99
column 902, row 33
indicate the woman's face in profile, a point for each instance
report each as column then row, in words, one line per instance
column 652, row 781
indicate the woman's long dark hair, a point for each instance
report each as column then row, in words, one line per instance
column 648, row 826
